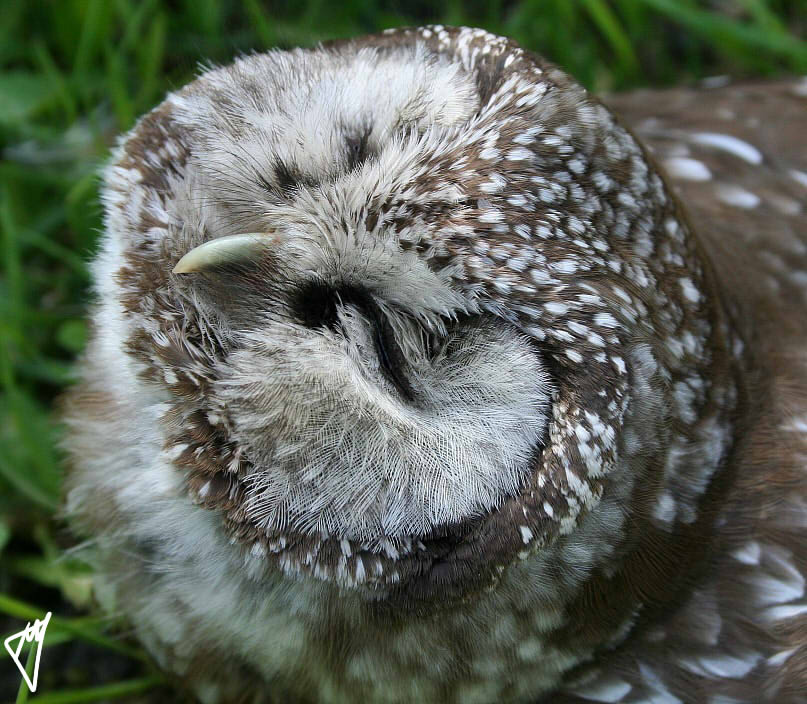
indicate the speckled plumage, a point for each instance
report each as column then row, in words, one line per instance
column 488, row 414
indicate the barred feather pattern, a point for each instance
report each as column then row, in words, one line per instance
column 495, row 411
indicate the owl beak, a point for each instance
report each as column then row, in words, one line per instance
column 222, row 250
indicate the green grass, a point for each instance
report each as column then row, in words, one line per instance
column 75, row 73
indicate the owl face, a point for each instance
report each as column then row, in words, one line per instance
column 365, row 399
column 372, row 400
column 390, row 297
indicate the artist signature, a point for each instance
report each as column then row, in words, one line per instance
column 31, row 632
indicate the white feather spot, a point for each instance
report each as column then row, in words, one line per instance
column 799, row 177
column 800, row 89
column 782, row 582
column 736, row 196
column 661, row 695
column 749, row 553
column 688, row 288
column 565, row 266
column 781, row 658
column 258, row 550
column 605, row 690
column 727, row 143
column 784, row 613
column 574, row 355
column 686, row 169
column 605, row 320
column 715, row 81
column 519, row 154
column 664, row 509
column 723, row 665
column 556, row 307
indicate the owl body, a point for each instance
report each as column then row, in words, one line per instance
column 415, row 381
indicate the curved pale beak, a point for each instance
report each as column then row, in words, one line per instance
column 223, row 250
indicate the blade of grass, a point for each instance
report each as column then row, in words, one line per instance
column 133, row 21
column 10, row 27
column 117, row 87
column 30, row 661
column 90, row 37
column 32, row 457
column 115, row 690
column 25, row 487
column 17, row 407
column 607, row 22
column 262, row 27
column 728, row 32
column 763, row 15
column 57, row 79
column 12, row 264
column 50, row 371
column 57, row 251
column 206, row 16
column 19, row 609
column 5, row 534
column 33, row 567
column 151, row 60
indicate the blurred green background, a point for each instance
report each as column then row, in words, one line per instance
column 75, row 73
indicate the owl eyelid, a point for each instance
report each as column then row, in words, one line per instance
column 223, row 250
column 390, row 355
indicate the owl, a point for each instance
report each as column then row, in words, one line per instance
column 418, row 376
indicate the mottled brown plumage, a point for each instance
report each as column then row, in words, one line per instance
column 484, row 412
column 759, row 255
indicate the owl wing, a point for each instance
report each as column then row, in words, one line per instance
column 737, row 158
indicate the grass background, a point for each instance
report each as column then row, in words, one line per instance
column 75, row 73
